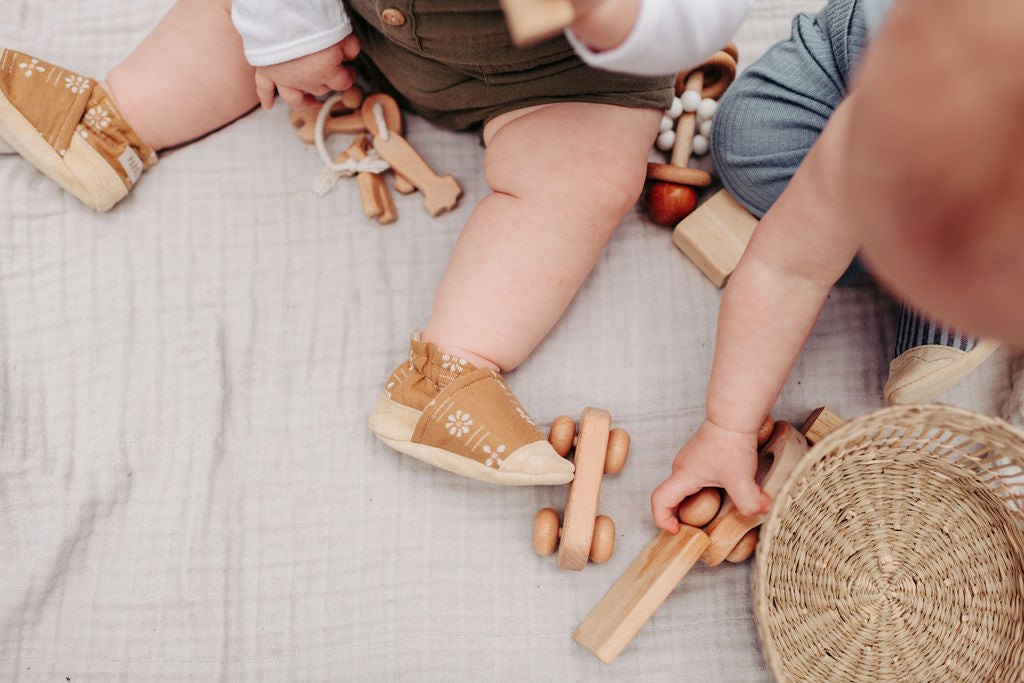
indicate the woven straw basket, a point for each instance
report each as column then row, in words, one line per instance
column 895, row 551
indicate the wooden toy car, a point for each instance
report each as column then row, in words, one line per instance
column 584, row 534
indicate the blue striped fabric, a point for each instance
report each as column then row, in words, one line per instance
column 913, row 330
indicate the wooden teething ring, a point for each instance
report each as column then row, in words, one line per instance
column 673, row 196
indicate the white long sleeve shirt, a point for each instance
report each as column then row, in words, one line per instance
column 668, row 36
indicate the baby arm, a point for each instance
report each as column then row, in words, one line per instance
column 652, row 37
column 297, row 47
column 799, row 249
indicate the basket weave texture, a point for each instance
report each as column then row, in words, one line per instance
column 895, row 551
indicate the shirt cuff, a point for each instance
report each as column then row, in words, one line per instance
column 283, row 52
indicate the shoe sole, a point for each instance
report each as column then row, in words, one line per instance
column 107, row 188
column 929, row 386
column 394, row 424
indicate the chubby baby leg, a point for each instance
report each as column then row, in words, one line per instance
column 563, row 176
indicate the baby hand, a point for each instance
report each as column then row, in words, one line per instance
column 298, row 80
column 713, row 457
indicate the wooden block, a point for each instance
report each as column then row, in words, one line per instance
column 533, row 20
column 819, row 423
column 715, row 236
column 637, row 594
column 585, row 489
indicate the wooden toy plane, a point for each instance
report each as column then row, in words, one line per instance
column 669, row 557
column 584, row 534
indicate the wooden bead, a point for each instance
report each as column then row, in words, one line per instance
column 690, row 100
column 706, row 109
column 563, row 429
column 699, row 145
column 745, row 547
column 545, row 532
column 669, row 203
column 618, row 451
column 701, row 507
column 666, row 140
column 675, row 109
column 604, row 539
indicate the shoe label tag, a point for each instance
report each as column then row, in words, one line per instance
column 131, row 163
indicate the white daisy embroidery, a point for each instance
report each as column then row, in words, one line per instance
column 387, row 389
column 453, row 365
column 494, row 459
column 97, row 117
column 459, row 423
column 76, row 84
column 31, row 67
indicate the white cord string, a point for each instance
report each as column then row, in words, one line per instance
column 333, row 170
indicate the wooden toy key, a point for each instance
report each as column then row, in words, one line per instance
column 373, row 191
column 669, row 557
column 351, row 100
column 584, row 533
column 439, row 193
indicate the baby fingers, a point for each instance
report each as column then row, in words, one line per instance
column 666, row 498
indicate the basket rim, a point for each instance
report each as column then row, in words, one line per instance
column 899, row 416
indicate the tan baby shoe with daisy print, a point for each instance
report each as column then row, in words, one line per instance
column 69, row 128
column 449, row 413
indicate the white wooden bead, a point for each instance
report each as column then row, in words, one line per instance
column 676, row 109
column 699, row 145
column 706, row 109
column 690, row 100
column 666, row 123
column 705, row 128
column 666, row 140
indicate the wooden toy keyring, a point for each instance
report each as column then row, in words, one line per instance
column 719, row 72
column 673, row 196
column 440, row 193
column 393, row 119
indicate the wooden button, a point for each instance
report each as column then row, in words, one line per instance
column 392, row 17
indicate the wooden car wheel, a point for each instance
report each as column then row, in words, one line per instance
column 563, row 431
column 604, row 539
column 545, row 532
column 618, row 451
column 700, row 508
column 745, row 548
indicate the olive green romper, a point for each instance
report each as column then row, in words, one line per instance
column 453, row 62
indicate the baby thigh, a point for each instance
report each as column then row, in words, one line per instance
column 773, row 113
column 563, row 176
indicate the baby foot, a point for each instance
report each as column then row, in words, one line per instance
column 451, row 414
column 69, row 128
column 929, row 359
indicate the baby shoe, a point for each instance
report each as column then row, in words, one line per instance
column 929, row 359
column 445, row 411
column 69, row 128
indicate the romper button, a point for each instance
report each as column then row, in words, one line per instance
column 392, row 17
